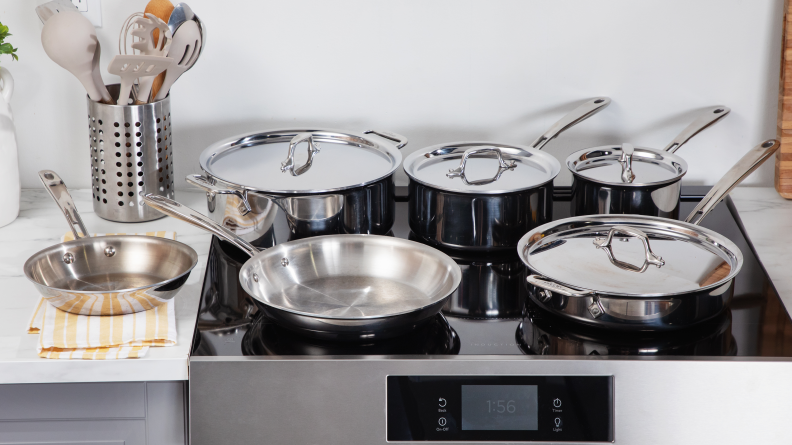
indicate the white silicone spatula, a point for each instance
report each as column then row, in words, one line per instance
column 69, row 39
column 131, row 67
column 145, row 44
column 185, row 49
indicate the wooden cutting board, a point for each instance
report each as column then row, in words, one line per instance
column 783, row 166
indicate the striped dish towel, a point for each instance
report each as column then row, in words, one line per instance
column 63, row 335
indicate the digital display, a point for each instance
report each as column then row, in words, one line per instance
column 500, row 407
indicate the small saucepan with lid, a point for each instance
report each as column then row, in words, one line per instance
column 624, row 179
column 636, row 272
column 484, row 196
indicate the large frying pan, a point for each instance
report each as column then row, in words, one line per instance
column 339, row 286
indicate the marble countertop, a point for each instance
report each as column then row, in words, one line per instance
column 40, row 224
column 767, row 217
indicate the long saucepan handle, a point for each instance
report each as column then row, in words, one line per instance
column 744, row 167
column 190, row 216
column 57, row 189
column 574, row 117
column 709, row 117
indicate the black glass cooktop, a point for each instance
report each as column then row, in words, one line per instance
column 490, row 313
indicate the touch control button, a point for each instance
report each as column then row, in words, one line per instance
column 441, row 403
column 557, row 403
column 558, row 424
column 442, row 421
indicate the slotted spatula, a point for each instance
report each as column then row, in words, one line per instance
column 131, row 67
column 148, row 25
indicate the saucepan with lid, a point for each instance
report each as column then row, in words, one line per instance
column 484, row 196
column 339, row 287
column 634, row 271
column 624, row 179
column 321, row 181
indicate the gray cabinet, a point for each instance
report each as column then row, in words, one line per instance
column 123, row 413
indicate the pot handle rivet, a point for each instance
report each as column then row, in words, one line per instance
column 284, row 262
column 255, row 278
column 68, row 258
column 109, row 251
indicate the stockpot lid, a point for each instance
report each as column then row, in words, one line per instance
column 301, row 160
column 627, row 166
column 481, row 167
column 608, row 254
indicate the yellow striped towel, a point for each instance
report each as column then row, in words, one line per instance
column 64, row 335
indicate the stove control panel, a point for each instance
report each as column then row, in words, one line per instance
column 500, row 408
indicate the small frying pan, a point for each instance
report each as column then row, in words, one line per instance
column 106, row 275
column 339, row 287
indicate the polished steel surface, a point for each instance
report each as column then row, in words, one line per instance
column 57, row 189
column 574, row 117
column 604, row 165
column 107, row 275
column 608, row 180
column 693, row 258
column 741, row 170
column 527, row 168
column 131, row 148
column 656, row 401
column 254, row 161
column 694, row 284
column 481, row 223
column 708, row 118
column 376, row 286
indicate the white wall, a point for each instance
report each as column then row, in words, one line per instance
column 435, row 71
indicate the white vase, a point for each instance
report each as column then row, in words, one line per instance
column 9, row 165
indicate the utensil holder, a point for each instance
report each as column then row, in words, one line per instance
column 131, row 155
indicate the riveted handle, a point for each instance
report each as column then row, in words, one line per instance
column 651, row 257
column 57, row 189
column 544, row 283
column 704, row 121
column 212, row 190
column 190, row 216
column 625, row 160
column 574, row 117
column 459, row 172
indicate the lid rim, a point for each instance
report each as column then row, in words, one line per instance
column 575, row 156
column 413, row 157
column 225, row 145
column 721, row 243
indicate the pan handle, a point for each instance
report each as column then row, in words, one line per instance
column 596, row 309
column 741, row 170
column 709, row 117
column 57, row 189
column 212, row 190
column 400, row 140
column 190, row 216
column 574, row 117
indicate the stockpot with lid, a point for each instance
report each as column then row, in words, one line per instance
column 321, row 181
column 484, row 196
column 624, row 179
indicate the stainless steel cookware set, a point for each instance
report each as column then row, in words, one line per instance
column 623, row 262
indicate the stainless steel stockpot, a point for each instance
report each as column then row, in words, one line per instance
column 623, row 179
column 359, row 287
column 638, row 272
column 341, row 183
column 512, row 195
